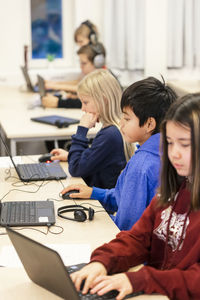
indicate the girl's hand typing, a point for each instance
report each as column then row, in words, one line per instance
column 88, row 273
column 88, row 120
column 119, row 282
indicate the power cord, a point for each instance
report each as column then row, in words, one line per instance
column 36, row 229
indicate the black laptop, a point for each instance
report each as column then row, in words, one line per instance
column 27, row 213
column 56, row 120
column 37, row 171
column 29, row 84
column 45, row 267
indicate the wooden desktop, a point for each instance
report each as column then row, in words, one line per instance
column 16, row 124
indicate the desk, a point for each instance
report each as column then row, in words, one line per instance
column 16, row 125
column 15, row 284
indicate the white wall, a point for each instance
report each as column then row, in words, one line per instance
column 15, row 33
column 156, row 38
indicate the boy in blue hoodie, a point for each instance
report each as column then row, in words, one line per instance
column 144, row 105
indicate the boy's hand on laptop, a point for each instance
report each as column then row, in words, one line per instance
column 50, row 101
column 59, row 154
column 88, row 273
column 88, row 120
column 83, row 191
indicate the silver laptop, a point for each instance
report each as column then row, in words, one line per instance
column 29, row 84
column 41, row 86
column 45, row 267
column 37, row 171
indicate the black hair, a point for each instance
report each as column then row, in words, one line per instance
column 148, row 98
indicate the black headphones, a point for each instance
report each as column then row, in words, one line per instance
column 79, row 212
column 61, row 124
column 92, row 35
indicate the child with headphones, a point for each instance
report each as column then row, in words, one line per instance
column 91, row 57
column 100, row 164
column 144, row 105
column 86, row 33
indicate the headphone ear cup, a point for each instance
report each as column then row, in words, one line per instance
column 99, row 61
column 80, row 215
column 91, row 213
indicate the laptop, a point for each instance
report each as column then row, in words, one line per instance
column 37, row 171
column 29, row 84
column 45, row 267
column 27, row 213
column 41, row 86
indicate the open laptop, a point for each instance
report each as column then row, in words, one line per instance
column 41, row 86
column 29, row 84
column 45, row 267
column 37, row 171
column 27, row 213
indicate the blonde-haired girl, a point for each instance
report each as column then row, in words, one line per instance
column 100, row 164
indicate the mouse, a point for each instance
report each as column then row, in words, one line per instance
column 45, row 158
column 66, row 195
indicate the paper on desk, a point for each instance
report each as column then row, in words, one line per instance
column 5, row 161
column 70, row 253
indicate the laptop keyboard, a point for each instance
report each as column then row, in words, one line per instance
column 41, row 171
column 109, row 296
column 35, row 170
column 21, row 212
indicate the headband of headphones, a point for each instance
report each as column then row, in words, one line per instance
column 79, row 212
column 92, row 36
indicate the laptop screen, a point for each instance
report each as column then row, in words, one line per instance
column 27, row 78
column 41, row 86
column 8, row 153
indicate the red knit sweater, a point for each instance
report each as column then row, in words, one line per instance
column 171, row 252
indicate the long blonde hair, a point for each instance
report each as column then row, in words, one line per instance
column 106, row 93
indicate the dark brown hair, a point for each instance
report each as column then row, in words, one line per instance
column 184, row 112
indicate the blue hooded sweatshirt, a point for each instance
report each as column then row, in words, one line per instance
column 135, row 186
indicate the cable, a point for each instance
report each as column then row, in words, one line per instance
column 30, row 192
column 90, row 204
column 19, row 183
column 58, row 226
column 36, row 229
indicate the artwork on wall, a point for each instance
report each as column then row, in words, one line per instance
column 46, row 29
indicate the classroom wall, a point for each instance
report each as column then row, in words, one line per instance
column 15, row 33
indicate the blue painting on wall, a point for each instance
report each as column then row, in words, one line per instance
column 46, row 27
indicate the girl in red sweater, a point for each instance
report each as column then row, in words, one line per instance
column 166, row 238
